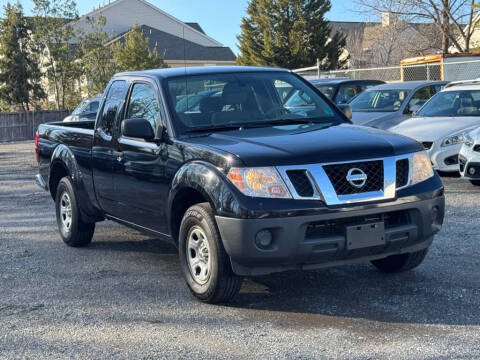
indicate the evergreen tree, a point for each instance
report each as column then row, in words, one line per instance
column 290, row 34
column 134, row 54
column 19, row 72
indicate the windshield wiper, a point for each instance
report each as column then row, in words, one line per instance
column 215, row 128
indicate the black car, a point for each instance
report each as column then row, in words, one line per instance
column 342, row 90
column 241, row 185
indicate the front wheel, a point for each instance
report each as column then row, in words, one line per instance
column 402, row 262
column 203, row 260
column 73, row 230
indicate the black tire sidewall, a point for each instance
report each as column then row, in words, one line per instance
column 196, row 217
column 65, row 186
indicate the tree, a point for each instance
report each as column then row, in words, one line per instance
column 54, row 33
column 132, row 52
column 97, row 58
column 454, row 19
column 19, row 72
column 289, row 34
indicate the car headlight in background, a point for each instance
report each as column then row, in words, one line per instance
column 421, row 167
column 259, row 182
column 454, row 139
column 468, row 140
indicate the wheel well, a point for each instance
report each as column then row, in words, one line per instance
column 57, row 172
column 186, row 198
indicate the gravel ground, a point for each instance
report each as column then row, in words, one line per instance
column 124, row 296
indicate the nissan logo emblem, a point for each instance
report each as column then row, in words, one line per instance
column 356, row 177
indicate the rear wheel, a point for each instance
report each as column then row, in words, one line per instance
column 204, row 262
column 475, row 182
column 73, row 230
column 402, row 262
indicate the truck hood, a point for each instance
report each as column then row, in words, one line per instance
column 435, row 128
column 295, row 145
column 364, row 117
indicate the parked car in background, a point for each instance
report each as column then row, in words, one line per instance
column 387, row 105
column 469, row 157
column 443, row 123
column 342, row 90
column 86, row 110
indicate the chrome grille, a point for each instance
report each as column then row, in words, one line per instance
column 337, row 173
column 301, row 182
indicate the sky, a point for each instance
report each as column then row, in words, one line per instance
column 220, row 19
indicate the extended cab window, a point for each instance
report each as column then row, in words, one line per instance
column 113, row 103
column 245, row 99
column 143, row 104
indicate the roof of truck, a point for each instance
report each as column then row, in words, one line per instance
column 197, row 70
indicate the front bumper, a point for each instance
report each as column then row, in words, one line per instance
column 469, row 159
column 314, row 241
column 445, row 158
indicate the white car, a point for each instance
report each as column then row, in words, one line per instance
column 443, row 122
column 469, row 157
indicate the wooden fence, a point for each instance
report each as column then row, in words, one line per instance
column 16, row 126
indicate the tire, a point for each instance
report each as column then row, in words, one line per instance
column 204, row 262
column 475, row 182
column 399, row 263
column 73, row 230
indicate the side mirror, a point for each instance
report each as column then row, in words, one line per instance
column 137, row 128
column 346, row 109
column 413, row 109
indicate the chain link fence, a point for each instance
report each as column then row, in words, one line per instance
column 445, row 70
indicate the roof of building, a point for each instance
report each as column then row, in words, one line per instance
column 172, row 47
column 196, row 26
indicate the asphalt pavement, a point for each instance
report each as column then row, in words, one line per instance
column 124, row 296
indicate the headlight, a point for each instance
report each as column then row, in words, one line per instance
column 469, row 140
column 421, row 167
column 259, row 181
column 454, row 139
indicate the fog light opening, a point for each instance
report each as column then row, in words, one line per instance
column 471, row 171
column 263, row 239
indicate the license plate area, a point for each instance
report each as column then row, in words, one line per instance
column 365, row 235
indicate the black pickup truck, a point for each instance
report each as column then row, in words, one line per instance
column 212, row 160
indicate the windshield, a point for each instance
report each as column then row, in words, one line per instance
column 245, row 99
column 388, row 100
column 453, row 103
column 79, row 108
column 327, row 90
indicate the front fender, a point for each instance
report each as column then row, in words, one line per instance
column 205, row 178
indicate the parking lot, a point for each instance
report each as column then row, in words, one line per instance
column 124, row 295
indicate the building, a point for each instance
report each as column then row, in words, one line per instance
column 180, row 43
column 387, row 42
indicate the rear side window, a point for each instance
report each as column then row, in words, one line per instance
column 93, row 106
column 347, row 93
column 143, row 104
column 113, row 104
column 421, row 96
